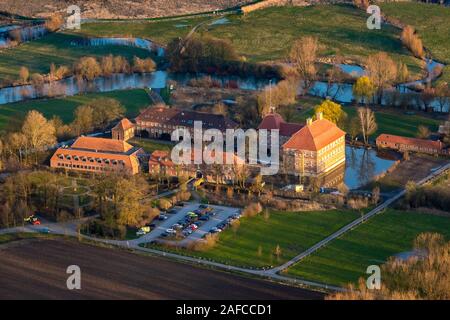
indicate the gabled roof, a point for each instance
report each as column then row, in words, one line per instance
column 124, row 124
column 420, row 143
column 185, row 118
column 274, row 121
column 101, row 144
column 315, row 136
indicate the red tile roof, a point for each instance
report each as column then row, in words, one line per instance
column 315, row 136
column 185, row 118
column 124, row 124
column 275, row 121
column 101, row 144
column 420, row 143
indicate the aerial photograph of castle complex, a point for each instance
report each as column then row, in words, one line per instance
column 225, row 150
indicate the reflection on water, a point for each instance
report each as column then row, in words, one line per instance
column 360, row 168
column 156, row 80
column 362, row 165
column 128, row 42
column 26, row 33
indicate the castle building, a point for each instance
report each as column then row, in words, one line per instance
column 160, row 121
column 315, row 149
column 89, row 154
column 274, row 121
column 123, row 131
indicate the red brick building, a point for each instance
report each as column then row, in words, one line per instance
column 124, row 130
column 410, row 144
column 161, row 121
column 100, row 155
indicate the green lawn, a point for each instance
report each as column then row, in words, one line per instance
column 292, row 231
column 389, row 121
column 55, row 48
column 432, row 23
column 347, row 258
column 150, row 145
column 12, row 114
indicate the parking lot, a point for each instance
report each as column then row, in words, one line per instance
column 218, row 215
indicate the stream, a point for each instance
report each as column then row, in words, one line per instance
column 341, row 92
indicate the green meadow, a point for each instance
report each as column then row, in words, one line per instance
column 346, row 259
column 11, row 115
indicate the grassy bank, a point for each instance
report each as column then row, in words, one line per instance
column 432, row 23
column 293, row 232
column 267, row 34
column 55, row 48
column 11, row 115
column 347, row 258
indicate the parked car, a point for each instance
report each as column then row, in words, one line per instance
column 193, row 227
column 212, row 213
column 187, row 232
column 215, row 230
column 45, row 230
column 163, row 217
column 171, row 231
column 151, row 225
column 140, row 233
column 177, row 226
column 204, row 218
column 172, row 211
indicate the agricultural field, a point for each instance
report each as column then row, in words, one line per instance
column 293, row 232
column 347, row 258
column 11, row 115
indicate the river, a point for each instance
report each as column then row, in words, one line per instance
column 341, row 92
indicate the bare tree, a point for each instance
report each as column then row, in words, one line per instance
column 368, row 123
column 303, row 55
column 382, row 71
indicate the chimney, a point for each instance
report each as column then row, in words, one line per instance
column 309, row 121
column 319, row 115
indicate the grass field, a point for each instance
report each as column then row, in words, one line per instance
column 5, row 238
column 389, row 121
column 54, row 48
column 150, row 145
column 12, row 114
column 292, row 231
column 346, row 258
column 159, row 31
column 432, row 23
column 266, row 35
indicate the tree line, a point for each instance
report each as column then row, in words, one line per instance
column 86, row 68
column 28, row 145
